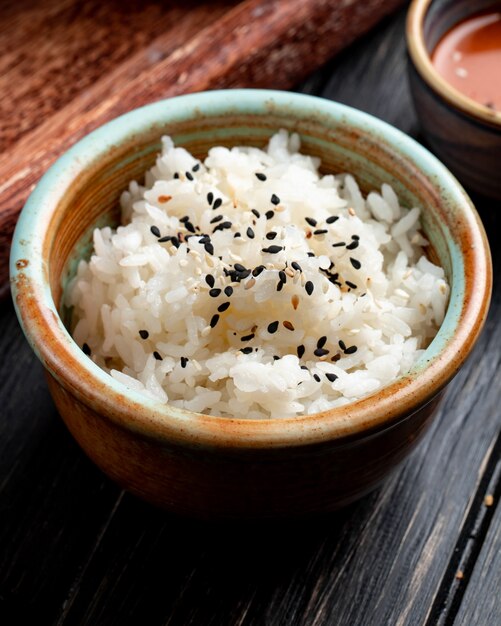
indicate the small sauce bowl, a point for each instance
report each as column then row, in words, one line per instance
column 465, row 134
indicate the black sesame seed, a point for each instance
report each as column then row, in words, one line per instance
column 331, row 219
column 351, row 350
column 296, row 266
column 300, row 351
column 184, row 361
column 276, row 357
column 273, row 327
column 342, row 345
column 283, row 276
column 214, row 293
column 256, row 213
column 175, row 242
column 216, row 219
column 316, row 377
column 155, row 231
column 321, row 342
column 209, row 248
column 356, row 263
column 210, row 280
column 165, row 239
column 239, row 267
column 250, row 233
column 176, row 175
column 189, row 227
column 237, row 234
column 354, row 244
column 144, row 334
column 339, row 244
column 248, row 337
column 288, row 325
column 280, row 286
column 270, row 236
column 222, row 226
column 204, row 239
column 309, row 287
column 222, row 307
column 320, row 231
column 228, row 290
column 311, row 221
column 260, row 176
column 196, row 167
column 214, row 320
column 303, row 367
column 351, row 285
column 320, row 352
column 157, row 356
column 86, row 349
column 274, row 199
column 269, row 215
column 272, row 249
column 257, row 270
column 355, row 237
column 310, row 254
column 242, row 275
column 330, row 377
column 186, row 218
column 210, row 197
column 189, row 175
column 246, row 350
column 217, row 203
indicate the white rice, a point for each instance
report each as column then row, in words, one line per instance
column 374, row 301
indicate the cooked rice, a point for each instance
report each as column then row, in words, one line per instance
column 250, row 285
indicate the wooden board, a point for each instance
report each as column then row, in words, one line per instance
column 72, row 66
column 75, row 550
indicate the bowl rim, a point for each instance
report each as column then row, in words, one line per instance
column 78, row 374
column 418, row 52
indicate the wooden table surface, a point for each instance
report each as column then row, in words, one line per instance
column 423, row 549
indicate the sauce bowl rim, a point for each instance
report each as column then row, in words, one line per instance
column 420, row 57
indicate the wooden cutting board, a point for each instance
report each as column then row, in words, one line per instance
column 68, row 66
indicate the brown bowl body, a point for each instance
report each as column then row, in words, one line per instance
column 220, row 467
column 207, row 482
column 464, row 134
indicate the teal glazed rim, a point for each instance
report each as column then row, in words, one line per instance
column 441, row 360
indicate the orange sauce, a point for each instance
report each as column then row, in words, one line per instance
column 469, row 58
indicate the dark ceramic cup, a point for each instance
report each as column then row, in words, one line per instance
column 220, row 467
column 466, row 135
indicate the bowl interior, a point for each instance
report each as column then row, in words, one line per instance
column 442, row 15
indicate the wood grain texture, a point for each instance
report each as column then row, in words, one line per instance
column 264, row 43
column 76, row 551
column 57, row 49
column 481, row 603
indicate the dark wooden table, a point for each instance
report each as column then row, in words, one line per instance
column 423, row 549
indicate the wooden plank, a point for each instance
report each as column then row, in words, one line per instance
column 266, row 43
column 54, row 50
column 481, row 603
column 53, row 502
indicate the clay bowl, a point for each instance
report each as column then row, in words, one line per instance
column 466, row 135
column 219, row 467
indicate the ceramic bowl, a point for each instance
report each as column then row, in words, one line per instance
column 466, row 135
column 219, row 467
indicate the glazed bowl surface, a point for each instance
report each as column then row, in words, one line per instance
column 219, row 467
column 465, row 134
